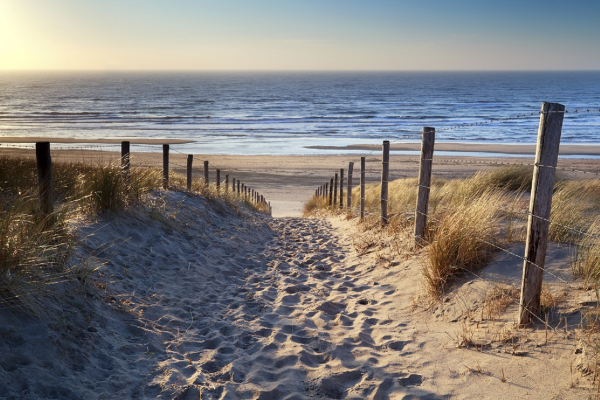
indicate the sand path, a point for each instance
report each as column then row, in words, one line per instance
column 314, row 319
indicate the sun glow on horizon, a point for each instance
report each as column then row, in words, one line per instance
column 270, row 35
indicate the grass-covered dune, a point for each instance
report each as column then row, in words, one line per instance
column 468, row 219
column 35, row 249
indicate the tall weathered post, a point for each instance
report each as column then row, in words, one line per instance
column 540, row 205
column 330, row 192
column 385, row 171
column 349, row 185
column 362, row 188
column 427, row 144
column 218, row 180
column 165, row 166
column 341, row 188
column 190, row 160
column 226, row 183
column 44, row 170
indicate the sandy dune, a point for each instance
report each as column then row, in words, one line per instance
column 197, row 301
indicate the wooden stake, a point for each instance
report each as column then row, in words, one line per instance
column 226, row 183
column 362, row 188
column 385, row 171
column 126, row 163
column 238, row 187
column 540, row 205
column 427, row 143
column 330, row 192
column 190, row 160
column 44, row 170
column 335, row 187
column 165, row 166
column 341, row 188
column 218, row 180
column 206, row 173
column 349, row 185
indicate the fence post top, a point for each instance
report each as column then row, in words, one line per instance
column 557, row 106
column 428, row 129
column 386, row 142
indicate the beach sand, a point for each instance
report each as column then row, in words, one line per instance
column 194, row 300
column 200, row 302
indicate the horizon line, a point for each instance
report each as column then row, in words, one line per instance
column 297, row 70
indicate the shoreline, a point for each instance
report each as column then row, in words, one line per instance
column 34, row 139
column 500, row 148
column 480, row 150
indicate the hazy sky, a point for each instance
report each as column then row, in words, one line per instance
column 299, row 35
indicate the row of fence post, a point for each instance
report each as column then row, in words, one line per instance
column 546, row 158
column 44, row 168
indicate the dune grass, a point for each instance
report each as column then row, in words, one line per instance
column 34, row 254
column 464, row 238
column 469, row 217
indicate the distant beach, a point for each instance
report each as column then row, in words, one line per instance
column 289, row 181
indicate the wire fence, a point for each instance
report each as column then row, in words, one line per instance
column 222, row 178
column 526, row 215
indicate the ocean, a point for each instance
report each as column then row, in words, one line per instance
column 284, row 112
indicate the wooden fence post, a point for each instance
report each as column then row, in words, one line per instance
column 233, row 185
column 341, row 188
column 206, row 173
column 44, row 170
column 427, row 144
column 330, row 192
column 335, row 187
column 238, row 187
column 226, row 183
column 362, row 188
column 218, row 180
column 126, row 162
column 165, row 166
column 190, row 160
column 326, row 190
column 349, row 186
column 385, row 171
column 540, row 205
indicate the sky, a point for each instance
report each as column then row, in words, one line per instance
column 299, row 35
